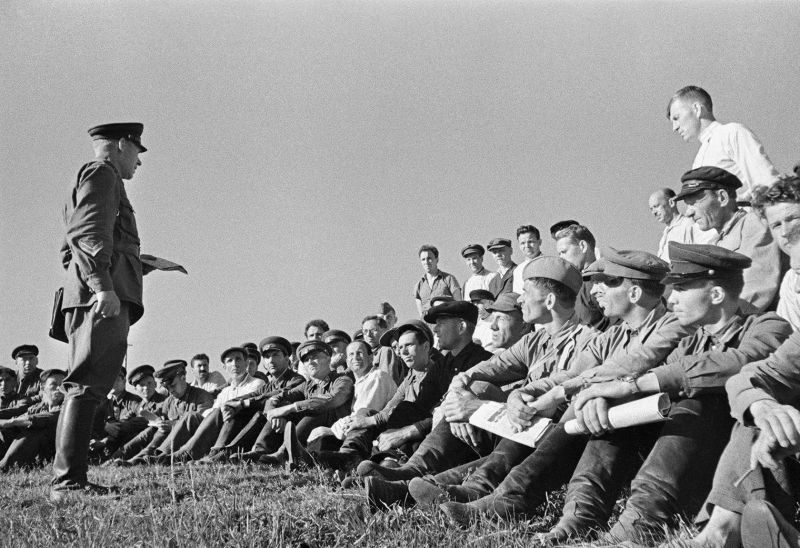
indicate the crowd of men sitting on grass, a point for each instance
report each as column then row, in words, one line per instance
column 387, row 410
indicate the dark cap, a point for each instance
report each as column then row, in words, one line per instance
column 358, row 335
column 171, row 369
column 471, row 249
column 8, row 372
column 416, row 325
column 249, row 346
column 497, row 243
column 233, row 349
column 439, row 299
column 385, row 308
column 275, row 343
column 453, row 309
column 506, row 302
column 336, row 335
column 47, row 373
column 628, row 263
column 131, row 131
column 388, row 337
column 561, row 225
column 25, row 349
column 554, row 268
column 253, row 353
column 706, row 177
column 313, row 345
column 140, row 373
column 480, row 295
column 700, row 261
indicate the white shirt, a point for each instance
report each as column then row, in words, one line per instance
column 214, row 382
column 485, row 279
column 373, row 390
column 483, row 333
column 683, row 230
column 248, row 385
column 789, row 299
column 736, row 149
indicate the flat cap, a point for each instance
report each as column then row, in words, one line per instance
column 249, row 346
column 554, row 268
column 389, row 336
column 471, row 249
column 706, row 177
column 253, row 353
column 170, row 369
column 25, row 349
column 358, row 335
column 628, row 263
column 313, row 345
column 140, row 373
column 497, row 243
column 233, row 349
column 480, row 295
column 131, row 131
column 438, row 299
column 334, row 335
column 275, row 343
column 560, row 225
column 506, row 302
column 47, row 373
column 701, row 261
column 416, row 325
column 453, row 309
column 7, row 372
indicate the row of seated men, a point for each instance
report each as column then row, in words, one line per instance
column 721, row 456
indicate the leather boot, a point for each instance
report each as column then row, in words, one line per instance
column 73, row 435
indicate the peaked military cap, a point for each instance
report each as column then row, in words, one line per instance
column 333, row 335
column 275, row 343
column 471, row 249
column 497, row 243
column 554, row 268
column 25, row 349
column 706, row 177
column 132, row 131
column 233, row 349
column 453, row 309
column 140, row 373
column 506, row 302
column 480, row 295
column 313, row 345
column 47, row 373
column 416, row 325
column 170, row 369
column 253, row 353
column 700, row 261
column 628, row 263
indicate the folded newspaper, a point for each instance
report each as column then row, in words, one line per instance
column 157, row 263
column 642, row 411
column 491, row 416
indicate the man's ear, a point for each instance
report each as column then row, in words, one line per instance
column 717, row 294
column 583, row 245
column 550, row 301
column 635, row 294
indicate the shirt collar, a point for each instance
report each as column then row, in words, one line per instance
column 726, row 228
column 247, row 378
column 650, row 320
column 727, row 332
column 567, row 332
column 705, row 135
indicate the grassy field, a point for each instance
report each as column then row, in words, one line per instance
column 230, row 506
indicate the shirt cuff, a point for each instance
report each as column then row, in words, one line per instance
column 670, row 378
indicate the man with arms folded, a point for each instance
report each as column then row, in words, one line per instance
column 681, row 454
column 435, row 282
column 548, row 298
column 710, row 196
column 515, row 478
column 320, row 401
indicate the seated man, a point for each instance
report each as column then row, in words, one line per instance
column 338, row 341
column 372, row 390
column 681, row 454
column 506, row 322
column 406, row 417
column 515, row 478
column 373, row 327
column 32, row 435
column 483, row 332
column 8, row 388
column 320, row 401
column 253, row 359
column 201, row 438
column 116, row 422
column 549, row 294
column 210, row 381
column 184, row 402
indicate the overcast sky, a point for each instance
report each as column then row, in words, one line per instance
column 300, row 152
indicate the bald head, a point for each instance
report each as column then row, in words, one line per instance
column 662, row 206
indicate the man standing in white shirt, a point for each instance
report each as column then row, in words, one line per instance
column 481, row 278
column 731, row 146
column 530, row 243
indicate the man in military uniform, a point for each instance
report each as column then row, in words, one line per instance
column 27, row 358
column 102, row 293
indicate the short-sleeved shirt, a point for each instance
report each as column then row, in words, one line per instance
column 444, row 285
column 213, row 384
column 484, row 279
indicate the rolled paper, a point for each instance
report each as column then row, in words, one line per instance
column 647, row 410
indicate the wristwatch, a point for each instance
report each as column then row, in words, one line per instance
column 632, row 380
